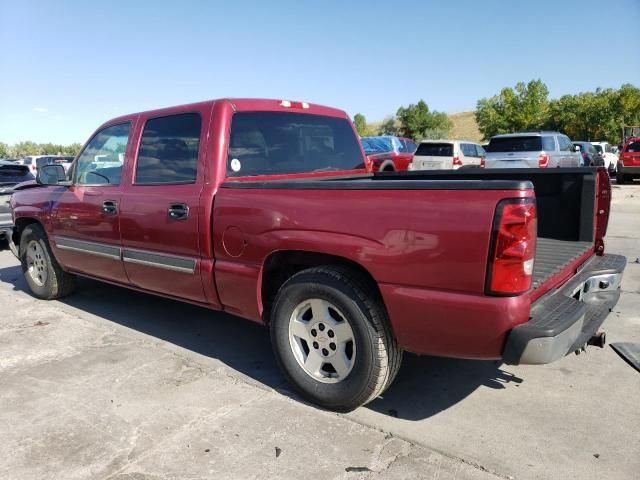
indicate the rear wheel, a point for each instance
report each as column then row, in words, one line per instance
column 43, row 274
column 619, row 177
column 332, row 339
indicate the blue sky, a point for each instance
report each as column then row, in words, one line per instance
column 68, row 66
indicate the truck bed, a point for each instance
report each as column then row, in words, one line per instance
column 552, row 256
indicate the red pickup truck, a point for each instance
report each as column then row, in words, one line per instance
column 264, row 209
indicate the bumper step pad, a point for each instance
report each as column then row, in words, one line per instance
column 564, row 320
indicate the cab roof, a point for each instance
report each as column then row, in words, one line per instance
column 246, row 105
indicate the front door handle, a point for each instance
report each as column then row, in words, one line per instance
column 109, row 207
column 178, row 211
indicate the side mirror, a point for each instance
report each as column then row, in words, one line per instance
column 51, row 175
column 576, row 148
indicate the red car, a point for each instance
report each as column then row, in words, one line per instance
column 628, row 166
column 261, row 208
column 388, row 154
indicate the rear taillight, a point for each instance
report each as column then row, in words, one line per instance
column 457, row 162
column 513, row 245
column 482, row 162
column 603, row 204
column 543, row 160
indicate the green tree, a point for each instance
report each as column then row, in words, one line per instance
column 24, row 149
column 523, row 107
column 595, row 116
column 73, row 149
column 416, row 121
column 4, row 150
column 389, row 126
column 360, row 123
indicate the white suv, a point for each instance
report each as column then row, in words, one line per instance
column 36, row 161
column 606, row 152
column 447, row 155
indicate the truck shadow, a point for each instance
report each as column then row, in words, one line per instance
column 424, row 387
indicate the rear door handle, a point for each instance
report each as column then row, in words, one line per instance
column 178, row 211
column 109, row 207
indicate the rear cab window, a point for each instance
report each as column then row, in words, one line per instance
column 515, row 144
column 276, row 143
column 168, row 152
column 435, row 149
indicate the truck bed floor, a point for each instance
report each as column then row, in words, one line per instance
column 554, row 255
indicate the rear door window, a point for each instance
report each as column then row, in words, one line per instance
column 564, row 144
column 435, row 150
column 168, row 152
column 515, row 144
column 410, row 145
column 548, row 144
column 271, row 143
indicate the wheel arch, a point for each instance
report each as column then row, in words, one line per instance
column 281, row 265
column 387, row 166
column 19, row 225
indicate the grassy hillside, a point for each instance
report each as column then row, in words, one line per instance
column 464, row 127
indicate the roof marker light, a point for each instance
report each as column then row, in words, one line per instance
column 290, row 104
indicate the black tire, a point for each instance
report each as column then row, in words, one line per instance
column 57, row 283
column 619, row 178
column 378, row 357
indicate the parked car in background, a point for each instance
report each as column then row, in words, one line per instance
column 589, row 154
column 447, row 154
column 36, row 161
column 531, row 150
column 607, row 153
column 628, row 166
column 11, row 174
column 387, row 153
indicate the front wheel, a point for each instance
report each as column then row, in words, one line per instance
column 43, row 274
column 331, row 337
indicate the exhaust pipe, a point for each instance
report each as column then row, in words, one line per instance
column 598, row 340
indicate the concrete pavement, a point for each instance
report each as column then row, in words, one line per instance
column 111, row 383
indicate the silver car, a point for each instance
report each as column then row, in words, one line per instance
column 531, row 150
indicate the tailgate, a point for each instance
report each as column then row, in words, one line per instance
column 553, row 256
